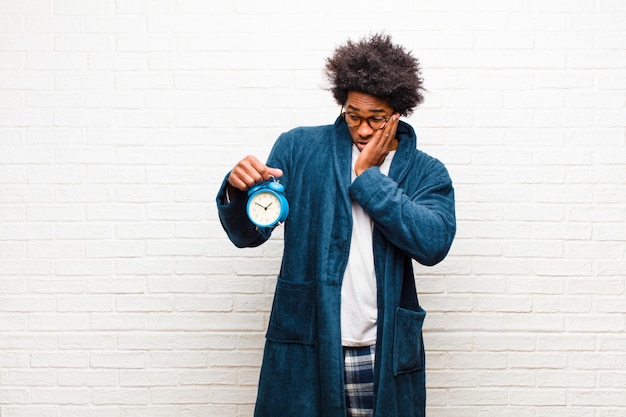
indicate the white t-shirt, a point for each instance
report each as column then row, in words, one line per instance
column 359, row 309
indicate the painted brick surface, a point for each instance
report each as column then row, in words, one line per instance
column 120, row 295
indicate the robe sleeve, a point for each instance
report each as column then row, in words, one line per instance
column 232, row 210
column 419, row 220
column 234, row 219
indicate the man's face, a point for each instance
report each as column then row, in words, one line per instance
column 365, row 111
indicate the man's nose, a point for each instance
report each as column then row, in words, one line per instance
column 365, row 129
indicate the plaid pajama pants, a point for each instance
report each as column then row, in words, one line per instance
column 359, row 376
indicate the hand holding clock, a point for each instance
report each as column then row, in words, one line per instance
column 249, row 172
column 267, row 205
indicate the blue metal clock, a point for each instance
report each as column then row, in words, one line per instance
column 267, row 205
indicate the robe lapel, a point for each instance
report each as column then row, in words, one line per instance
column 342, row 159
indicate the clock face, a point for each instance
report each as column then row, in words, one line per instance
column 264, row 208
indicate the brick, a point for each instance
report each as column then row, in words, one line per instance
column 71, row 194
column 14, row 360
column 233, row 395
column 543, row 397
column 148, row 411
column 117, row 100
column 11, row 214
column 84, row 267
column 112, row 212
column 180, row 395
column 54, row 213
column 117, row 175
column 47, row 285
column 477, row 397
column 117, row 321
column 115, row 249
column 176, row 212
column 59, row 360
column 15, row 396
column 46, row 23
column 514, row 378
column 534, row 360
column 87, row 378
column 27, row 304
column 597, row 286
column 104, row 61
column 57, row 61
column 27, row 267
column 28, row 342
column 26, row 80
column 143, row 157
column 560, row 379
column 206, row 340
column 13, row 322
column 48, row 100
column 121, row 285
column 58, row 322
column 143, row 119
column 145, row 303
column 85, row 304
column 90, row 230
column 83, row 43
column 600, row 398
column 612, row 380
column 568, row 304
column 147, row 341
column 184, row 248
column 80, row 80
column 125, row 396
column 146, row 378
column 143, row 80
column 121, row 360
column 572, row 342
column 575, row 6
column 175, row 360
column 12, row 249
column 595, row 323
column 84, row 341
column 12, row 175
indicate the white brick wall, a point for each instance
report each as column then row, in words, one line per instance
column 120, row 295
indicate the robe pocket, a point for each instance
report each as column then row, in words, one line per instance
column 408, row 347
column 293, row 313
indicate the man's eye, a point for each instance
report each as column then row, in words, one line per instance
column 377, row 119
column 354, row 117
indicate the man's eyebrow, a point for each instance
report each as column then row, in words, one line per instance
column 351, row 107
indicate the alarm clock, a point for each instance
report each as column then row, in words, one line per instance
column 267, row 205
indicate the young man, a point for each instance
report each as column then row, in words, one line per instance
column 344, row 337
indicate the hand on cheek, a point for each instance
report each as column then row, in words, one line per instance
column 383, row 142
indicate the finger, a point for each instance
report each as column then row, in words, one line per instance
column 243, row 180
column 251, row 171
column 246, row 173
column 275, row 172
column 390, row 130
column 263, row 170
column 255, row 167
column 392, row 126
column 385, row 134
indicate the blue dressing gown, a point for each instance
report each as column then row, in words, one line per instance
column 414, row 218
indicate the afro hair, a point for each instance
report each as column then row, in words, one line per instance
column 375, row 66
